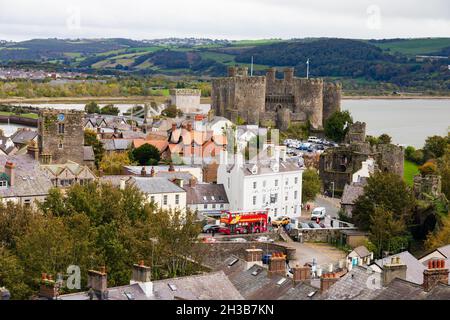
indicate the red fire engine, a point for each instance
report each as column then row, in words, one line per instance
column 235, row 222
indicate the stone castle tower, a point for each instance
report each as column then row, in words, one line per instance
column 267, row 100
column 60, row 136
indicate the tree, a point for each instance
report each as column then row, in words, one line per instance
column 110, row 110
column 386, row 190
column 336, row 126
column 443, row 167
column 428, row 167
column 113, row 163
column 90, row 139
column 146, row 154
column 92, row 107
column 435, row 147
column 386, row 232
column 12, row 275
column 384, row 139
column 311, row 185
column 441, row 237
column 172, row 112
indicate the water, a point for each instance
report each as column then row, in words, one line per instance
column 408, row 122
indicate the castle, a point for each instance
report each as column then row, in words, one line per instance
column 269, row 101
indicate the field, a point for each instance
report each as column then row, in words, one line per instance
column 25, row 115
column 411, row 170
column 415, row 46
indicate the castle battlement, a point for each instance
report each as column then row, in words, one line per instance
column 289, row 99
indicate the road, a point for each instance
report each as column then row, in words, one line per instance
column 331, row 205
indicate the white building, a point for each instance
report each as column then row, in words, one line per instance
column 166, row 194
column 270, row 182
column 367, row 169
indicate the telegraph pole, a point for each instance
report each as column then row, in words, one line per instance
column 307, row 69
column 251, row 68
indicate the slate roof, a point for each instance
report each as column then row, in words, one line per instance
column 362, row 251
column 23, row 136
column 205, row 193
column 440, row 292
column 400, row 289
column 88, row 153
column 30, row 179
column 415, row 268
column 172, row 175
column 116, row 144
column 154, row 185
column 358, row 284
column 445, row 250
column 352, row 192
column 127, row 292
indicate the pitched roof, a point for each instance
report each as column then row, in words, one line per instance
column 116, row 144
column 154, row 185
column 362, row 251
column 205, row 193
column 358, row 284
column 23, row 136
column 400, row 289
column 415, row 268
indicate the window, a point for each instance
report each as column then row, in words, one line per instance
column 214, row 206
column 296, row 180
column 27, row 202
column 205, row 206
column 60, row 145
column 177, row 199
column 295, row 195
column 61, row 128
column 228, row 182
column 276, row 183
column 213, row 198
column 254, row 200
column 287, row 181
column 3, row 184
column 264, row 183
column 264, row 198
column 221, row 206
column 286, row 198
column 273, row 198
column 275, row 211
column 165, row 200
column 152, row 198
column 254, row 185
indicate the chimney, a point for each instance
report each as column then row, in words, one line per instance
column 253, row 256
column 48, row 288
column 143, row 172
column 327, row 280
column 142, row 275
column 97, row 281
column 33, row 150
column 277, row 264
column 192, row 182
column 301, row 273
column 395, row 269
column 435, row 274
column 10, row 170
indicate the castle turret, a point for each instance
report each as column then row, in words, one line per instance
column 308, row 97
column 332, row 93
column 289, row 74
column 232, row 71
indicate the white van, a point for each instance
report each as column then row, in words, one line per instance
column 318, row 212
column 313, row 139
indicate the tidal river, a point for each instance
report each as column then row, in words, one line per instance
column 408, row 121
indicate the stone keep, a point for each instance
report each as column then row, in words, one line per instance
column 60, row 136
column 270, row 101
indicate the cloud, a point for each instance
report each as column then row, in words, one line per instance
column 231, row 19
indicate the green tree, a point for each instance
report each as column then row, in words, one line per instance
column 336, row 126
column 441, row 236
column 92, row 107
column 90, row 139
column 110, row 109
column 146, row 154
column 386, row 232
column 172, row 112
column 384, row 139
column 113, row 163
column 386, row 190
column 435, row 147
column 12, row 275
column 311, row 185
column 443, row 169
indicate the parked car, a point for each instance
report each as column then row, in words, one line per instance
column 315, row 225
column 281, row 221
column 209, row 228
column 237, row 230
column 318, row 212
column 264, row 239
column 238, row 240
column 304, row 225
column 313, row 139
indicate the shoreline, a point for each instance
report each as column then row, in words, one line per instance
column 162, row 99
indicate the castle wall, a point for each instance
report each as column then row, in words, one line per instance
column 332, row 94
column 308, row 95
column 187, row 100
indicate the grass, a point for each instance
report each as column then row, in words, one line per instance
column 416, row 46
column 411, row 170
column 25, row 115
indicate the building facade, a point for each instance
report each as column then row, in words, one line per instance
column 268, row 183
column 187, row 100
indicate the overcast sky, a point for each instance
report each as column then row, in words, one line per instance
column 220, row 19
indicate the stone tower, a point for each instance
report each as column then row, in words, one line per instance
column 60, row 136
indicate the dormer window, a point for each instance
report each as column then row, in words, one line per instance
column 3, row 184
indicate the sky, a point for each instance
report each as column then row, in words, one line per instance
column 223, row 19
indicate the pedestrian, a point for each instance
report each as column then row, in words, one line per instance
column 318, row 220
column 213, row 232
column 308, row 207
